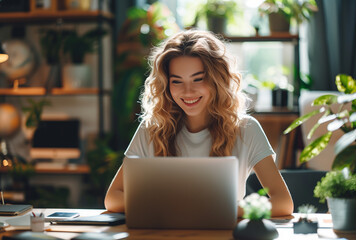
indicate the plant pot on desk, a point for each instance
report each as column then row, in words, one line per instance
column 77, row 76
column 262, row 229
column 343, row 213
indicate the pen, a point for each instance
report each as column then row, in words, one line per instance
column 33, row 214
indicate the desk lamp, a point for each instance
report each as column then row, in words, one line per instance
column 3, row 55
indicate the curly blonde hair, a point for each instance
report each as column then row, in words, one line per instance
column 164, row 118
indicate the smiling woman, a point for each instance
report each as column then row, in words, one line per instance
column 192, row 106
column 190, row 90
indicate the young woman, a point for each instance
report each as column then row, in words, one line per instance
column 192, row 105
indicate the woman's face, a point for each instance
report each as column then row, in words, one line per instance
column 189, row 88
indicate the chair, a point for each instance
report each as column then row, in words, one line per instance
column 301, row 184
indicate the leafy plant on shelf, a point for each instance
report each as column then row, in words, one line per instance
column 77, row 46
column 291, row 9
column 34, row 111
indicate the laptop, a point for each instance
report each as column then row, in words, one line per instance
column 181, row 192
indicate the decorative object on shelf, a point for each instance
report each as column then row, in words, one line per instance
column 339, row 185
column 78, row 74
column 78, row 4
column 305, row 225
column 10, row 122
column 218, row 13
column 40, row 6
column 33, row 113
column 257, row 211
column 282, row 12
column 51, row 43
column 22, row 62
column 3, row 55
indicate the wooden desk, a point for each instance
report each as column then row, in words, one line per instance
column 285, row 230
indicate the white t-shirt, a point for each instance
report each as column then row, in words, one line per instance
column 250, row 148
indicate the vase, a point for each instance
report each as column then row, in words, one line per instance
column 77, row 76
column 343, row 214
column 255, row 230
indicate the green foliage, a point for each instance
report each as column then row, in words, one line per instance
column 143, row 29
column 344, row 119
column 34, row 111
column 51, row 41
column 77, row 46
column 219, row 8
column 104, row 163
column 336, row 184
column 292, row 9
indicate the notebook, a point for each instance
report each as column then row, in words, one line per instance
column 107, row 219
column 12, row 210
column 181, row 192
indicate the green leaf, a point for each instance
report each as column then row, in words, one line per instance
column 299, row 121
column 327, row 99
column 346, row 158
column 314, row 148
column 345, row 83
column 345, row 141
column 311, row 132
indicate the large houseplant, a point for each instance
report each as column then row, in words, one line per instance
column 339, row 185
column 282, row 12
column 76, row 46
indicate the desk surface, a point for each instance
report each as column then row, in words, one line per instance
column 67, row 232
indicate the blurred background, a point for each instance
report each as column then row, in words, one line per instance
column 71, row 72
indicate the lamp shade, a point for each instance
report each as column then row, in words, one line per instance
column 3, row 55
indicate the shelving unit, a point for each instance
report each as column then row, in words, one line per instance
column 274, row 120
column 280, row 37
column 69, row 176
column 64, row 17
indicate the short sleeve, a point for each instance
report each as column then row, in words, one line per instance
column 140, row 145
column 257, row 143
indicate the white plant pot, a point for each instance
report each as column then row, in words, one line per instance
column 77, row 76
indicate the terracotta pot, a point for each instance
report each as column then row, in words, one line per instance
column 278, row 23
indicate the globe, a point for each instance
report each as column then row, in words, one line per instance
column 10, row 120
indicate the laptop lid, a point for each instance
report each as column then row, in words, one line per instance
column 181, row 192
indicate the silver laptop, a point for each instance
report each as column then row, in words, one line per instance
column 181, row 192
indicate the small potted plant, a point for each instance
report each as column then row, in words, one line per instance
column 338, row 187
column 78, row 74
column 305, row 224
column 218, row 13
column 257, row 211
column 282, row 12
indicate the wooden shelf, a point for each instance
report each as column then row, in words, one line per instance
column 39, row 91
column 53, row 16
column 280, row 37
column 70, row 169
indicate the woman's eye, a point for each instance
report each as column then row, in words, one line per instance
column 175, row 82
column 198, row 79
